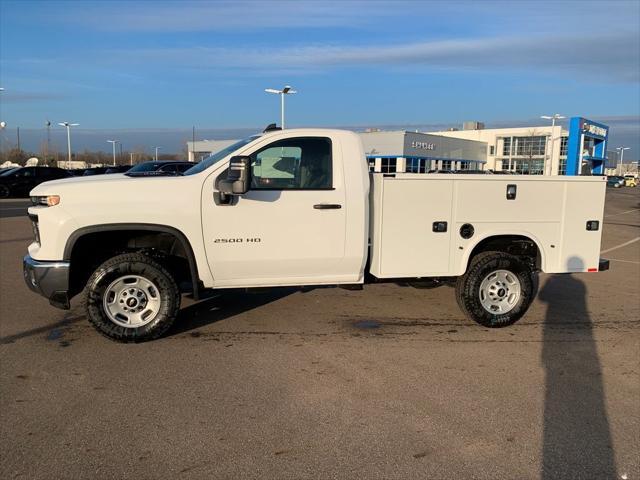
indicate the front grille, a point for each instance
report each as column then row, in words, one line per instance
column 34, row 227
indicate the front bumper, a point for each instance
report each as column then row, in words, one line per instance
column 49, row 279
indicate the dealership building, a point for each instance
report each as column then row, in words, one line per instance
column 542, row 150
column 415, row 152
column 201, row 149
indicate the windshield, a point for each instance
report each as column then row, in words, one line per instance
column 216, row 157
column 144, row 167
column 9, row 171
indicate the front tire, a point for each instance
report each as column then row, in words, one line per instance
column 132, row 298
column 497, row 289
column 4, row 191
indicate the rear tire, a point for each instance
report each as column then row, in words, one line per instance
column 497, row 289
column 132, row 298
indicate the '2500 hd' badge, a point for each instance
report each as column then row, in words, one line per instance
column 237, row 240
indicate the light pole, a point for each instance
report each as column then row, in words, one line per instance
column 113, row 143
column 621, row 158
column 46, row 155
column 553, row 118
column 157, row 148
column 130, row 158
column 285, row 91
column 68, row 125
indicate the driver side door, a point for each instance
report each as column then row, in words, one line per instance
column 289, row 228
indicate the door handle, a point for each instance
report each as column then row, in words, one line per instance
column 327, row 206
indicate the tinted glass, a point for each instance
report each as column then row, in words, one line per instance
column 293, row 164
column 183, row 167
column 144, row 167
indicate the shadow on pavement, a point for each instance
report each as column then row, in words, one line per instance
column 577, row 439
column 222, row 306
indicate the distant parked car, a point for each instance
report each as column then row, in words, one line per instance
column 19, row 182
column 118, row 169
column 615, row 181
column 94, row 171
column 630, row 181
column 160, row 168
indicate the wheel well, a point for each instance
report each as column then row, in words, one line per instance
column 517, row 245
column 87, row 250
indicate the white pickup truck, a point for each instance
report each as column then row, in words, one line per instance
column 297, row 208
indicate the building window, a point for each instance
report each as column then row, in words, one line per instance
column 388, row 165
column 492, row 150
column 564, row 143
column 446, row 165
column 530, row 146
column 534, row 166
column 465, row 165
column 372, row 165
column 506, row 146
column 562, row 167
column 416, row 165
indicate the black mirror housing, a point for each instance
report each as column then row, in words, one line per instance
column 238, row 178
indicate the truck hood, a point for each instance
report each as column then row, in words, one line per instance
column 113, row 184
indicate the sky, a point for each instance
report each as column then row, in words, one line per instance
column 150, row 70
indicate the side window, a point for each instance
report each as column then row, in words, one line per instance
column 293, row 164
column 27, row 172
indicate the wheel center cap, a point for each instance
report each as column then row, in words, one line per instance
column 131, row 302
column 501, row 292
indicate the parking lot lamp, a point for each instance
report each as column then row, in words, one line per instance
column 285, row 91
column 113, row 143
column 621, row 158
column 157, row 148
column 68, row 126
column 553, row 118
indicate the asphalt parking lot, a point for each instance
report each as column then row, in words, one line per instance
column 391, row 382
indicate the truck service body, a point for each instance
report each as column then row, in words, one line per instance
column 298, row 208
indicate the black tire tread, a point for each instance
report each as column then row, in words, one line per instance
column 164, row 281
column 467, row 284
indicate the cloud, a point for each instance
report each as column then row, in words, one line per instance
column 612, row 56
column 258, row 15
column 190, row 16
column 23, row 97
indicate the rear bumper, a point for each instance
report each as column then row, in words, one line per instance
column 49, row 279
column 603, row 265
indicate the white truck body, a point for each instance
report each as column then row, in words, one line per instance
column 316, row 236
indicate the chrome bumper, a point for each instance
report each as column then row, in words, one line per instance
column 49, row 279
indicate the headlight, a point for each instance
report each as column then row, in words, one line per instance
column 46, row 200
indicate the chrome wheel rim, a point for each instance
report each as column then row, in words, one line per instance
column 131, row 301
column 500, row 292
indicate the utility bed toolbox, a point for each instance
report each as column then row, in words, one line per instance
column 428, row 225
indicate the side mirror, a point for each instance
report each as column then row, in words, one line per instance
column 238, row 178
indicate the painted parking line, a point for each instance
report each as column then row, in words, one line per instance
column 621, row 245
column 623, row 261
column 622, row 213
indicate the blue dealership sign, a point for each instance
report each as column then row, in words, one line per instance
column 587, row 147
